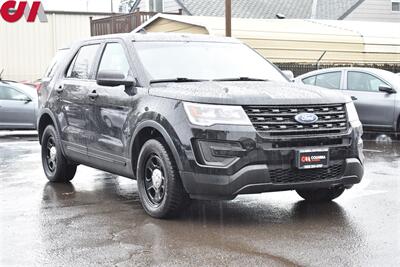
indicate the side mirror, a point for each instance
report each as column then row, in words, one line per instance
column 24, row 98
column 114, row 78
column 387, row 89
column 289, row 74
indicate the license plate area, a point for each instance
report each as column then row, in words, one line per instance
column 312, row 158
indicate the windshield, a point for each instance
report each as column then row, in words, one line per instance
column 204, row 61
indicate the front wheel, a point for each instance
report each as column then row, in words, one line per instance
column 321, row 194
column 55, row 165
column 160, row 189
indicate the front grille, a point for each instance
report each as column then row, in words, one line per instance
column 279, row 120
column 288, row 176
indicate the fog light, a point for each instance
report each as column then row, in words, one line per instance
column 217, row 153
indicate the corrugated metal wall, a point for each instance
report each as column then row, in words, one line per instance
column 27, row 48
column 301, row 41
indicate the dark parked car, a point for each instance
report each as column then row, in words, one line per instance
column 194, row 117
column 373, row 91
column 18, row 106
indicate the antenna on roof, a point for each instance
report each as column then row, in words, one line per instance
column 280, row 16
column 1, row 74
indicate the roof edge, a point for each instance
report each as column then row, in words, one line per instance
column 351, row 9
column 184, row 8
column 168, row 17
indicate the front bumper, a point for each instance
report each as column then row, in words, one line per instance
column 257, row 179
column 240, row 161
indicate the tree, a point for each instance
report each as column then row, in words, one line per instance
column 126, row 5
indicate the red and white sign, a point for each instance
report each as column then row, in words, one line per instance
column 13, row 11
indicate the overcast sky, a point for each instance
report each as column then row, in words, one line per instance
column 81, row 5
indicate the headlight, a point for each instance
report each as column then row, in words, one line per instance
column 208, row 115
column 353, row 115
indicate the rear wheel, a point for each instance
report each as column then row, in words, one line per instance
column 160, row 189
column 321, row 194
column 55, row 165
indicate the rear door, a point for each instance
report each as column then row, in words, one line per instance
column 17, row 110
column 110, row 110
column 331, row 80
column 375, row 108
column 72, row 99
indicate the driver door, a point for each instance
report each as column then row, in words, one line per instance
column 110, row 108
column 375, row 108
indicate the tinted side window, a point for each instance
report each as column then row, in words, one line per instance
column 310, row 80
column 7, row 93
column 363, row 82
column 329, row 80
column 114, row 59
column 54, row 63
column 82, row 65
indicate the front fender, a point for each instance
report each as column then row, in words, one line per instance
column 165, row 134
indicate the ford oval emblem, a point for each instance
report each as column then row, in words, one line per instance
column 306, row 118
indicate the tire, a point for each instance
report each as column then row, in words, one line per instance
column 321, row 195
column 55, row 165
column 160, row 189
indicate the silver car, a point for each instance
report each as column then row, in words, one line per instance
column 374, row 92
column 18, row 106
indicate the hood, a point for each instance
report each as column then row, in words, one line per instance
column 247, row 93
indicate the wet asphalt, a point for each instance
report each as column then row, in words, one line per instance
column 98, row 220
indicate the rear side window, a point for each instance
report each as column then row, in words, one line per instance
column 310, row 80
column 7, row 93
column 82, row 65
column 114, row 59
column 360, row 81
column 55, row 63
column 329, row 80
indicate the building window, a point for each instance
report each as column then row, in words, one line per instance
column 157, row 5
column 396, row 5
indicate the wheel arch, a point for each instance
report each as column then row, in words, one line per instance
column 45, row 119
column 150, row 130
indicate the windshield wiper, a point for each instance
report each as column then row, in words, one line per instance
column 246, row 79
column 177, row 80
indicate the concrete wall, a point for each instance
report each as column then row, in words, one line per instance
column 27, row 48
column 375, row 10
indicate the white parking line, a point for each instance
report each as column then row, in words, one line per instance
column 18, row 133
column 19, row 143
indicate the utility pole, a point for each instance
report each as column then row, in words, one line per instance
column 228, row 18
column 112, row 6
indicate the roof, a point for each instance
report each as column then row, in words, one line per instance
column 177, row 37
column 267, row 9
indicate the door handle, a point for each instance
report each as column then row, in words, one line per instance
column 60, row 89
column 93, row 95
column 354, row 98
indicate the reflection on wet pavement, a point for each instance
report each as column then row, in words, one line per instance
column 98, row 220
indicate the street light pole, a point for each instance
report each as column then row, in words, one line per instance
column 228, row 18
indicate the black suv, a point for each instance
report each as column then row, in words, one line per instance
column 194, row 117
